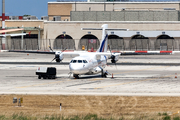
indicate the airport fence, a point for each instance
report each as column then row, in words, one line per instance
column 88, row 44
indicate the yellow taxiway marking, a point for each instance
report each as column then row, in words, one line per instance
column 42, row 84
column 97, row 79
column 132, row 82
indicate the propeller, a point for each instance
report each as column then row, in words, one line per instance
column 112, row 57
column 50, row 44
column 57, row 56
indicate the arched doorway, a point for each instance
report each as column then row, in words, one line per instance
column 115, row 42
column 164, row 42
column 139, row 42
column 29, row 42
column 64, row 41
column 89, row 41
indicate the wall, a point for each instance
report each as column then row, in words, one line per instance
column 63, row 8
column 124, row 15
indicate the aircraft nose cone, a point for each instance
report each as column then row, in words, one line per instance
column 77, row 68
column 74, row 68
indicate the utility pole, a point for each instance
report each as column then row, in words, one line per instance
column 3, row 25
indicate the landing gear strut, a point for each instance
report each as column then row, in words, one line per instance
column 103, row 74
column 76, row 76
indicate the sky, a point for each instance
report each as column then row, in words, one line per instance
column 37, row 8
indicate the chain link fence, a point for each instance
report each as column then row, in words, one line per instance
column 71, row 44
column 89, row 43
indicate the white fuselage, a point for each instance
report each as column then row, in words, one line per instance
column 87, row 64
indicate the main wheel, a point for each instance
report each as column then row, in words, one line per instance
column 39, row 77
column 76, row 76
column 102, row 73
column 44, row 77
column 53, row 77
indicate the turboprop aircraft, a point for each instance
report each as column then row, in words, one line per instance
column 11, row 30
column 87, row 63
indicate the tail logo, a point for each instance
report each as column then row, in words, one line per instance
column 103, row 44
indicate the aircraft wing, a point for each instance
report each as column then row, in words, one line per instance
column 84, row 53
column 147, row 53
column 106, row 53
column 38, row 52
column 9, row 30
column 51, row 52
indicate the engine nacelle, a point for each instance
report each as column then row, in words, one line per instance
column 97, row 70
column 58, row 56
column 115, row 57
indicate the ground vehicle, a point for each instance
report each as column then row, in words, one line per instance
column 46, row 72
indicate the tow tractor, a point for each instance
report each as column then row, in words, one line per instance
column 46, row 72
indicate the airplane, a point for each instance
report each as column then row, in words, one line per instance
column 11, row 30
column 87, row 63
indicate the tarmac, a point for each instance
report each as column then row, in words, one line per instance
column 140, row 75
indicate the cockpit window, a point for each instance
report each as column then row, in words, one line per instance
column 84, row 61
column 79, row 61
column 74, row 61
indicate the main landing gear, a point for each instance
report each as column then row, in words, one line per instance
column 104, row 74
column 76, row 76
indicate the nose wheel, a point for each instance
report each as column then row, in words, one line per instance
column 76, row 76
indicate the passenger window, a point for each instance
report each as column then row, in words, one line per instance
column 79, row 61
column 74, row 61
column 84, row 61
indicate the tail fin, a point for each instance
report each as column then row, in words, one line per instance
column 104, row 42
column 103, row 46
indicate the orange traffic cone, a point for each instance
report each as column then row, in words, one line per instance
column 175, row 75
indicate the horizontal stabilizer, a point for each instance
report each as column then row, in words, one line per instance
column 91, row 28
column 39, row 52
column 107, row 29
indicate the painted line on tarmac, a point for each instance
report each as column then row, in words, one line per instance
column 141, row 70
column 42, row 84
column 96, row 79
column 132, row 82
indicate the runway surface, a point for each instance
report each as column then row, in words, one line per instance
column 141, row 79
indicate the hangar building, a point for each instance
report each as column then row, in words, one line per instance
column 152, row 26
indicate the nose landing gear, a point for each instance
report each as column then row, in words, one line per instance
column 76, row 76
column 104, row 74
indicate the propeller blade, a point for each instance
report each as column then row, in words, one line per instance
column 64, row 50
column 56, row 55
column 112, row 56
column 53, row 59
column 51, row 48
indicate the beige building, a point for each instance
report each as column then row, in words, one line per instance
column 63, row 9
column 142, row 35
